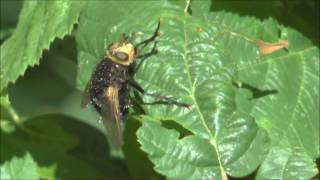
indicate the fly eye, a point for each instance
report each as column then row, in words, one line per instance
column 122, row 56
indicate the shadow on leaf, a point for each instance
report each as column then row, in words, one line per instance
column 256, row 92
column 170, row 124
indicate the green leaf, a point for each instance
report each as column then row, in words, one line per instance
column 170, row 154
column 287, row 164
column 281, row 89
column 20, row 168
column 47, row 172
column 51, row 147
column 192, row 68
column 40, row 22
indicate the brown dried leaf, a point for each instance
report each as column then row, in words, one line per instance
column 268, row 48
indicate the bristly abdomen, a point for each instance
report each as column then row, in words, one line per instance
column 106, row 74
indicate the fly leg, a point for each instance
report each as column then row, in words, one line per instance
column 140, row 46
column 165, row 100
column 143, row 57
column 152, row 52
column 136, row 102
column 161, row 99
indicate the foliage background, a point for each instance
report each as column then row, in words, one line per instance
column 65, row 141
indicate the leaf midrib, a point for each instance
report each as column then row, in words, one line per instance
column 191, row 86
column 192, row 95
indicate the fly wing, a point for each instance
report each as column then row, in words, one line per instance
column 111, row 117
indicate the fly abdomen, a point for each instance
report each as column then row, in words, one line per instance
column 107, row 74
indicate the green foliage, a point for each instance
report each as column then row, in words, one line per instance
column 19, row 168
column 170, row 155
column 287, row 164
column 252, row 114
column 291, row 114
column 39, row 24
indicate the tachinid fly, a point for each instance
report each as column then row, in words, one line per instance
column 108, row 88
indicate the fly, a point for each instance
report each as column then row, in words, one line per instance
column 108, row 88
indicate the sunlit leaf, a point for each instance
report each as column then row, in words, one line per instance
column 190, row 67
column 20, row 168
column 287, row 164
column 280, row 90
column 40, row 22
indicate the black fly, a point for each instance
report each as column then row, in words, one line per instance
column 108, row 88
